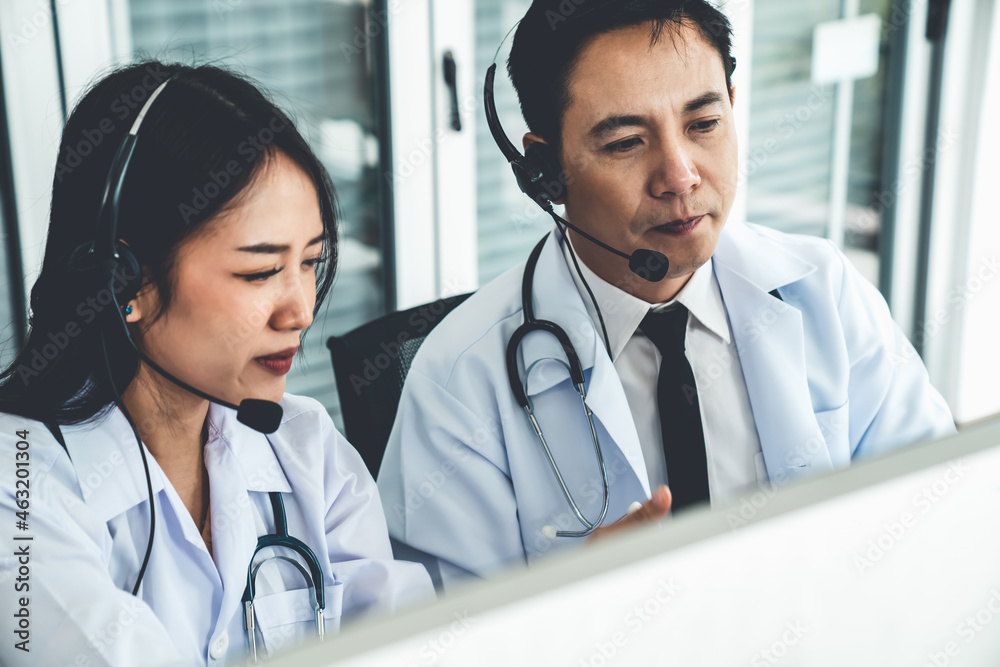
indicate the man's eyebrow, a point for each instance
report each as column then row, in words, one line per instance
column 273, row 249
column 612, row 123
column 702, row 101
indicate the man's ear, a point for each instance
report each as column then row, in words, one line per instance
column 531, row 138
column 732, row 95
column 544, row 156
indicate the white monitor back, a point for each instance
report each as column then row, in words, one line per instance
column 891, row 562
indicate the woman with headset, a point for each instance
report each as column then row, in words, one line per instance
column 170, row 504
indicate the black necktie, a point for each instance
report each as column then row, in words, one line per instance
column 680, row 414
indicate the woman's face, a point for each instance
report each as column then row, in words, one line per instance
column 244, row 288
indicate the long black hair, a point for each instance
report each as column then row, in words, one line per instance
column 200, row 148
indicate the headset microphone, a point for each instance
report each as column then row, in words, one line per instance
column 258, row 414
column 539, row 175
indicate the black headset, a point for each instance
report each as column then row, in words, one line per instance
column 540, row 176
column 100, row 261
column 96, row 264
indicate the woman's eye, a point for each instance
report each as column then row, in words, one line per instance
column 623, row 146
column 706, row 125
column 311, row 263
column 256, row 277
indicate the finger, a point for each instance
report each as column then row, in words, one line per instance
column 652, row 510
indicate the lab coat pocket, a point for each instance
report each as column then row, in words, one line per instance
column 833, row 426
column 288, row 618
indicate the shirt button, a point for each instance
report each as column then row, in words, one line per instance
column 220, row 646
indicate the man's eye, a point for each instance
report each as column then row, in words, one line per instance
column 255, row 277
column 706, row 125
column 623, row 146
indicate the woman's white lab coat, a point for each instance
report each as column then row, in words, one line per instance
column 465, row 483
column 88, row 523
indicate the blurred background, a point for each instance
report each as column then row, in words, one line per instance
column 862, row 121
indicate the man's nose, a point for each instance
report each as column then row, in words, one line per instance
column 674, row 171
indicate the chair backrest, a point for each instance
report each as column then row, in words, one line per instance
column 370, row 364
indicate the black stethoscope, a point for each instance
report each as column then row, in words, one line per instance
column 575, row 369
column 281, row 538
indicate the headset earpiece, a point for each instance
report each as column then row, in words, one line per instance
column 121, row 273
column 538, row 172
column 551, row 183
column 127, row 278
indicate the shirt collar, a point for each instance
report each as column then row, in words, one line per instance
column 109, row 467
column 108, row 464
column 623, row 312
column 703, row 299
column 251, row 449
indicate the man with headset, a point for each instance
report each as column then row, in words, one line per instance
column 648, row 341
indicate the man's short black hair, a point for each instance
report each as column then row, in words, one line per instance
column 552, row 33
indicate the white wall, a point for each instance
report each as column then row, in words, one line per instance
column 979, row 362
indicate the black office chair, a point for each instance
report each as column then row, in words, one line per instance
column 370, row 364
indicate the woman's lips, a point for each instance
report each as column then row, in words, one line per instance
column 680, row 227
column 279, row 363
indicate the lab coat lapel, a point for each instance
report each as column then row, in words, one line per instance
column 235, row 456
column 557, row 299
column 770, row 341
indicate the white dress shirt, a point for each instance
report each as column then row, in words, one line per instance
column 732, row 445
column 89, row 520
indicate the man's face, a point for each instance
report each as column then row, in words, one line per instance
column 649, row 149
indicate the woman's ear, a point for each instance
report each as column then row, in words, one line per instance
column 144, row 304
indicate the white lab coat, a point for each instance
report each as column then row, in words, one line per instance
column 466, row 485
column 89, row 521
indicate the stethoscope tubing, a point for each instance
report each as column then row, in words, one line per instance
column 576, row 375
column 281, row 538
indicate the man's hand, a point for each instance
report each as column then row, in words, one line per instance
column 650, row 511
